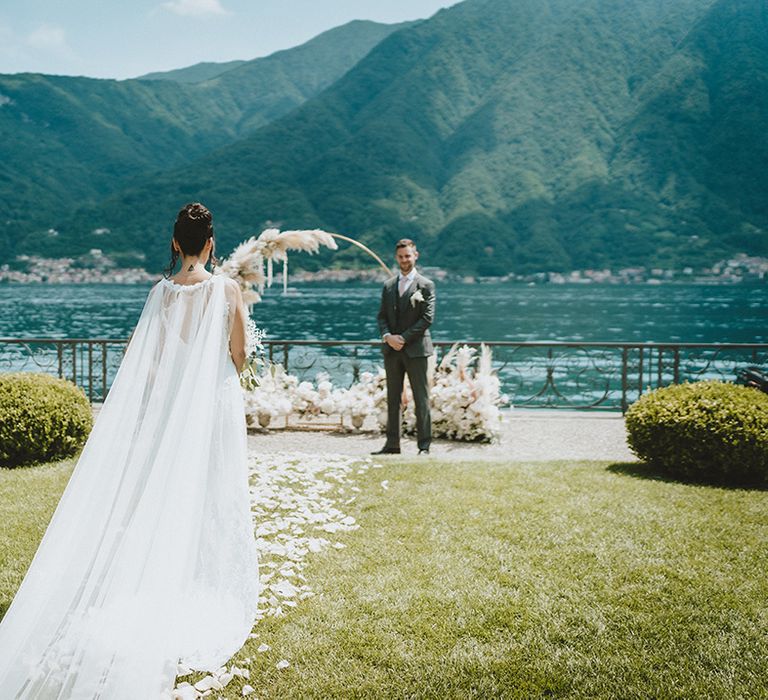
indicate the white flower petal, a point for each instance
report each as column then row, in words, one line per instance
column 184, row 691
column 208, row 683
column 225, row 679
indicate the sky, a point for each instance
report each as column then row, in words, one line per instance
column 127, row 38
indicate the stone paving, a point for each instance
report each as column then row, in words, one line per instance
column 527, row 435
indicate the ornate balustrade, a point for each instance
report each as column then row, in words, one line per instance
column 533, row 374
column 91, row 363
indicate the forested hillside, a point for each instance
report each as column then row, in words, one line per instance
column 505, row 136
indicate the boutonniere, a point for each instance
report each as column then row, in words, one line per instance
column 416, row 297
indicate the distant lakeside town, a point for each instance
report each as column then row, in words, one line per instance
column 96, row 268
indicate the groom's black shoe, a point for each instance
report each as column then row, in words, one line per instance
column 387, row 451
column 424, row 451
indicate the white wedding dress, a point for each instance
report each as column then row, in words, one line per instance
column 150, row 558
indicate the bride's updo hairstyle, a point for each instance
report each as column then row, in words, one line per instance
column 193, row 227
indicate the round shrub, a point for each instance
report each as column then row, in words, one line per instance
column 706, row 431
column 42, row 418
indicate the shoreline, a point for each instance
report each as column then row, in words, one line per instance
column 309, row 279
column 99, row 269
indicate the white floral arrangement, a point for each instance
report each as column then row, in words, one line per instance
column 275, row 393
column 327, row 397
column 465, row 399
column 364, row 398
column 313, row 399
column 305, row 399
column 269, row 397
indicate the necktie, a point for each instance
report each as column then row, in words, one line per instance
column 402, row 285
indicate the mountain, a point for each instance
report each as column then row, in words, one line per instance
column 267, row 88
column 66, row 142
column 193, row 74
column 496, row 127
column 698, row 145
column 503, row 135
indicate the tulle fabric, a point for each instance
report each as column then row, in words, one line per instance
column 150, row 558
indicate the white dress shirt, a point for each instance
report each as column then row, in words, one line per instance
column 405, row 281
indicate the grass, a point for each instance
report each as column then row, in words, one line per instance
column 499, row 580
column 28, row 497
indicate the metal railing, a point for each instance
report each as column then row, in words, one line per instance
column 91, row 363
column 548, row 374
column 540, row 374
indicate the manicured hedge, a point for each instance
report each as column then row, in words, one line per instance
column 42, row 418
column 708, row 431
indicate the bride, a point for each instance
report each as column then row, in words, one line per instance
column 150, row 559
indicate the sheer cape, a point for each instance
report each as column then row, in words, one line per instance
column 150, row 558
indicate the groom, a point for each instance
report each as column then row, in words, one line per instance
column 406, row 313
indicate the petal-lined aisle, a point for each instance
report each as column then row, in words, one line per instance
column 297, row 501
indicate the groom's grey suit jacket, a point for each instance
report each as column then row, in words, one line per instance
column 402, row 315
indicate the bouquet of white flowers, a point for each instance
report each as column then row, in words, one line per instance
column 305, row 399
column 254, row 355
column 310, row 399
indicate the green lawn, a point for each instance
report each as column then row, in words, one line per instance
column 485, row 580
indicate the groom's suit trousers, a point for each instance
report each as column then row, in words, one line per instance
column 397, row 365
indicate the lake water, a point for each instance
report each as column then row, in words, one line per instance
column 537, row 376
column 492, row 311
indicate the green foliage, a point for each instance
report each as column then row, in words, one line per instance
column 480, row 242
column 572, row 133
column 42, row 418
column 559, row 133
column 67, row 143
column 709, row 431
